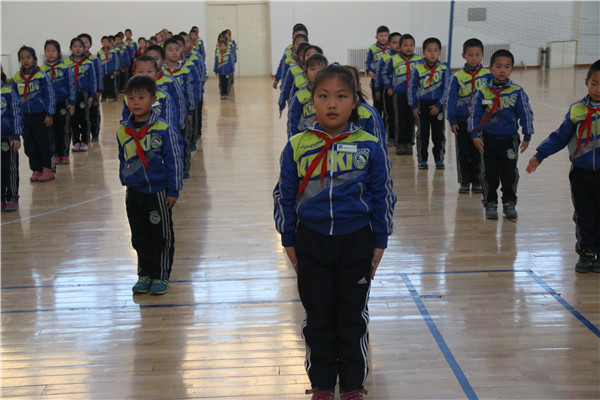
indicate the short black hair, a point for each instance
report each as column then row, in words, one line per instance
column 432, row 40
column 314, row 46
column 140, row 82
column 85, row 35
column 502, row 53
column 394, row 34
column 316, row 59
column 158, row 49
column 336, row 70
column 594, row 68
column 299, row 27
column 300, row 35
column 177, row 38
column 302, row 47
column 105, row 37
column 383, row 28
column 171, row 40
column 406, row 36
column 147, row 59
column 127, row 30
column 473, row 42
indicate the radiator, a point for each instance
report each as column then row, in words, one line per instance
column 358, row 57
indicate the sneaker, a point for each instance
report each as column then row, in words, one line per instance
column 65, row 160
column 356, row 394
column 57, row 160
column 142, row 285
column 318, row 394
column 83, row 147
column 391, row 142
column 47, row 175
column 423, row 165
column 77, row 147
column 3, row 205
column 186, row 174
column 596, row 264
column 95, row 138
column 491, row 211
column 509, row 211
column 159, row 286
column 463, row 189
column 404, row 149
column 11, row 206
column 35, row 176
column 439, row 165
column 477, row 188
column 585, row 263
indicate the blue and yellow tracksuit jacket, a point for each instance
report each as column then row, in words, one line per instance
column 288, row 87
column 462, row 92
column 132, row 47
column 378, row 81
column 282, row 65
column 394, row 72
column 356, row 191
column 504, row 122
column 63, row 81
column 224, row 63
column 200, row 65
column 110, row 61
column 584, row 147
column 301, row 113
column 40, row 94
column 199, row 47
column 124, row 60
column 85, row 77
column 425, row 87
column 163, row 107
column 12, row 118
column 376, row 51
column 98, row 70
column 370, row 121
column 170, row 85
column 185, row 75
column 163, row 149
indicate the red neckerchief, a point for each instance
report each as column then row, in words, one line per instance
column 76, row 67
column 494, row 105
column 52, row 66
column 106, row 54
column 384, row 48
column 473, row 76
column 222, row 54
column 407, row 61
column 137, row 136
column 586, row 125
column 26, row 89
column 322, row 155
column 432, row 71
column 173, row 71
column 162, row 73
column 139, row 52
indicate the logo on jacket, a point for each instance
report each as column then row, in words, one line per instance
column 510, row 154
column 361, row 158
column 156, row 142
column 154, row 217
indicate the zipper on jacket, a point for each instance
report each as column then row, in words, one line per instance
column 331, row 189
column 361, row 196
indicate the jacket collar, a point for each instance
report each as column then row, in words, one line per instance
column 352, row 127
column 129, row 122
column 494, row 86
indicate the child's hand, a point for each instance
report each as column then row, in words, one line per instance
column 377, row 254
column 478, row 143
column 275, row 84
column 48, row 121
column 280, row 112
column 116, row 73
column 15, row 144
column 454, row 129
column 524, row 146
column 533, row 164
column 371, row 74
column 433, row 110
column 171, row 202
column 378, row 96
column 416, row 113
column 390, row 92
column 71, row 110
column 291, row 253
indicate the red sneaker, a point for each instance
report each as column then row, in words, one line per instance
column 318, row 394
column 65, row 160
column 356, row 394
column 46, row 175
column 11, row 206
column 57, row 160
column 35, row 176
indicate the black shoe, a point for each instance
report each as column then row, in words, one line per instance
column 186, row 174
column 509, row 210
column 586, row 260
column 491, row 211
column 596, row 264
column 463, row 189
column 95, row 138
column 477, row 188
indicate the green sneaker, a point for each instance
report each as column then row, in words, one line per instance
column 142, row 285
column 159, row 286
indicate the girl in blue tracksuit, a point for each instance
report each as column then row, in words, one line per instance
column 224, row 68
column 37, row 96
column 65, row 90
column 12, row 128
column 580, row 131
column 333, row 208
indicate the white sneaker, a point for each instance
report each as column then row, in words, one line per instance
column 83, row 147
column 77, row 147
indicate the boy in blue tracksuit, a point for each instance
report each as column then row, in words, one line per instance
column 110, row 64
column 151, row 166
column 374, row 55
column 580, row 131
column 463, row 86
column 495, row 113
column 388, row 115
column 95, row 115
column 12, row 128
column 223, row 68
column 429, row 87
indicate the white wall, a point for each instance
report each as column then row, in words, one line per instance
column 31, row 23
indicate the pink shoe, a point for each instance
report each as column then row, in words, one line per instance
column 83, row 147
column 35, row 176
column 11, row 206
column 57, row 160
column 65, row 160
column 77, row 147
column 46, row 175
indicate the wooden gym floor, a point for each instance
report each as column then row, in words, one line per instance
column 461, row 307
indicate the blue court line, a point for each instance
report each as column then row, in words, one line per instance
column 458, row 373
column 564, row 303
column 141, row 306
